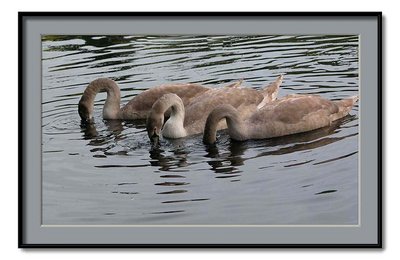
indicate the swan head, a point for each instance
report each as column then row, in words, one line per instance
column 154, row 125
column 85, row 112
column 167, row 104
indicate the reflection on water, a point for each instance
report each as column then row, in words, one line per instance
column 108, row 172
column 223, row 163
column 285, row 145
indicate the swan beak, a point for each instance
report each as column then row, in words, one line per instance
column 154, row 134
column 87, row 120
column 154, row 138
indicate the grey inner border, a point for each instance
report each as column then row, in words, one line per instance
column 364, row 233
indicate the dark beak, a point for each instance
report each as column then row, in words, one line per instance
column 86, row 121
column 154, row 138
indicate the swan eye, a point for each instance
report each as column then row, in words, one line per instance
column 157, row 131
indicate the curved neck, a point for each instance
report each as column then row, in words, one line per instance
column 111, row 109
column 166, row 102
column 235, row 128
column 173, row 128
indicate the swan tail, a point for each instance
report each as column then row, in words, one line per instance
column 235, row 84
column 345, row 106
column 270, row 92
column 272, row 89
column 348, row 102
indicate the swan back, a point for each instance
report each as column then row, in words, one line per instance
column 140, row 105
column 191, row 120
column 245, row 100
column 198, row 110
column 289, row 115
column 296, row 113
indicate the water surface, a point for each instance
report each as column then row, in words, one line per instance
column 110, row 173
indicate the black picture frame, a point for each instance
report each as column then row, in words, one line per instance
column 22, row 138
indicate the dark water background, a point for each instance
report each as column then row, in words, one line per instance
column 109, row 173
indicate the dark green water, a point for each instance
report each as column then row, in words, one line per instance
column 110, row 173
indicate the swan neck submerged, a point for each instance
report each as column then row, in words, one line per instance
column 111, row 109
column 235, row 127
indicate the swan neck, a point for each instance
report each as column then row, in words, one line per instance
column 174, row 127
column 111, row 109
column 168, row 101
column 232, row 119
